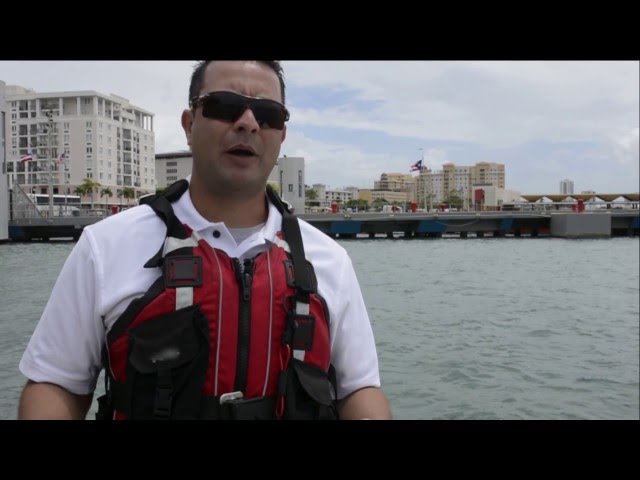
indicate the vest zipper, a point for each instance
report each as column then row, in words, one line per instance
column 244, row 278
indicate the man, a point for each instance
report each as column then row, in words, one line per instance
column 224, row 321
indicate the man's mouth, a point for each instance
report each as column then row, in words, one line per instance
column 242, row 151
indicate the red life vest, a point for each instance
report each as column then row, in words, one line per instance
column 214, row 338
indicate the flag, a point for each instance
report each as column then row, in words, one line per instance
column 416, row 166
column 26, row 158
column 61, row 158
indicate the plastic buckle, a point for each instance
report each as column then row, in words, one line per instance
column 230, row 397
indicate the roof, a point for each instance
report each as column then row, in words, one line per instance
column 607, row 197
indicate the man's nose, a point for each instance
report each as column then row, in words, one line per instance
column 247, row 121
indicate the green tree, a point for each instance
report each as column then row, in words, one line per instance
column 360, row 204
column 310, row 194
column 128, row 193
column 453, row 200
column 378, row 203
column 106, row 192
column 89, row 186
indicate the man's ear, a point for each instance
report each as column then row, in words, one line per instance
column 187, row 123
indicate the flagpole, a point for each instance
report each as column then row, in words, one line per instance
column 424, row 200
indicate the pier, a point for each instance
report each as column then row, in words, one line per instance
column 595, row 224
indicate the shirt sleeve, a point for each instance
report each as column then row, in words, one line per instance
column 66, row 345
column 353, row 348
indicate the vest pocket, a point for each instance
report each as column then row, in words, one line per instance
column 308, row 394
column 167, row 365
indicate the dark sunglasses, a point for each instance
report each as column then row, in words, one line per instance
column 230, row 106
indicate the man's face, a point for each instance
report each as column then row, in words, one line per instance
column 234, row 157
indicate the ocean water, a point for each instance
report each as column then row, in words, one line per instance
column 494, row 328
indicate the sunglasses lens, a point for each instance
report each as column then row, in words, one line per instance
column 269, row 116
column 218, row 108
column 230, row 106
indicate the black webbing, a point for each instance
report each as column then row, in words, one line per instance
column 291, row 230
column 161, row 205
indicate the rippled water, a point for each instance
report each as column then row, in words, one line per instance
column 496, row 328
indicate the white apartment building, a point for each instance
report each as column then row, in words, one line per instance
column 288, row 174
column 4, row 186
column 327, row 196
column 77, row 135
column 566, row 187
column 173, row 166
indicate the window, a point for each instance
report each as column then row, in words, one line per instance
column 172, row 164
column 172, row 170
column 291, row 187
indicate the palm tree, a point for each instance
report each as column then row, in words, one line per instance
column 80, row 190
column 90, row 187
column 128, row 193
column 106, row 192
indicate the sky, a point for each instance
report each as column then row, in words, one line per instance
column 354, row 120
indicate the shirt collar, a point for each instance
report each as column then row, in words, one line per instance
column 187, row 213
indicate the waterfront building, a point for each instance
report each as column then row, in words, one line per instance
column 59, row 139
column 566, row 187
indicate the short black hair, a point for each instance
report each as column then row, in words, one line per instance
column 197, row 78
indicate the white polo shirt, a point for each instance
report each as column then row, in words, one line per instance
column 105, row 272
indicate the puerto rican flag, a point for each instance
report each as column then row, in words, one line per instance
column 416, row 167
column 27, row 158
column 61, row 158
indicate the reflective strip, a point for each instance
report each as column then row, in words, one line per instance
column 215, row 381
column 184, row 297
column 172, row 243
column 282, row 244
column 301, row 309
column 266, row 374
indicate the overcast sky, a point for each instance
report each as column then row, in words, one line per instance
column 353, row 120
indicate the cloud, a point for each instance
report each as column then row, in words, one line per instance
column 625, row 147
column 495, row 104
column 354, row 120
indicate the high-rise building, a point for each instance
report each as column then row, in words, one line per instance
column 566, row 187
column 4, row 191
column 172, row 166
column 288, row 174
column 435, row 187
column 72, row 136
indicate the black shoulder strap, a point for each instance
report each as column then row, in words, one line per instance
column 291, row 230
column 161, row 205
